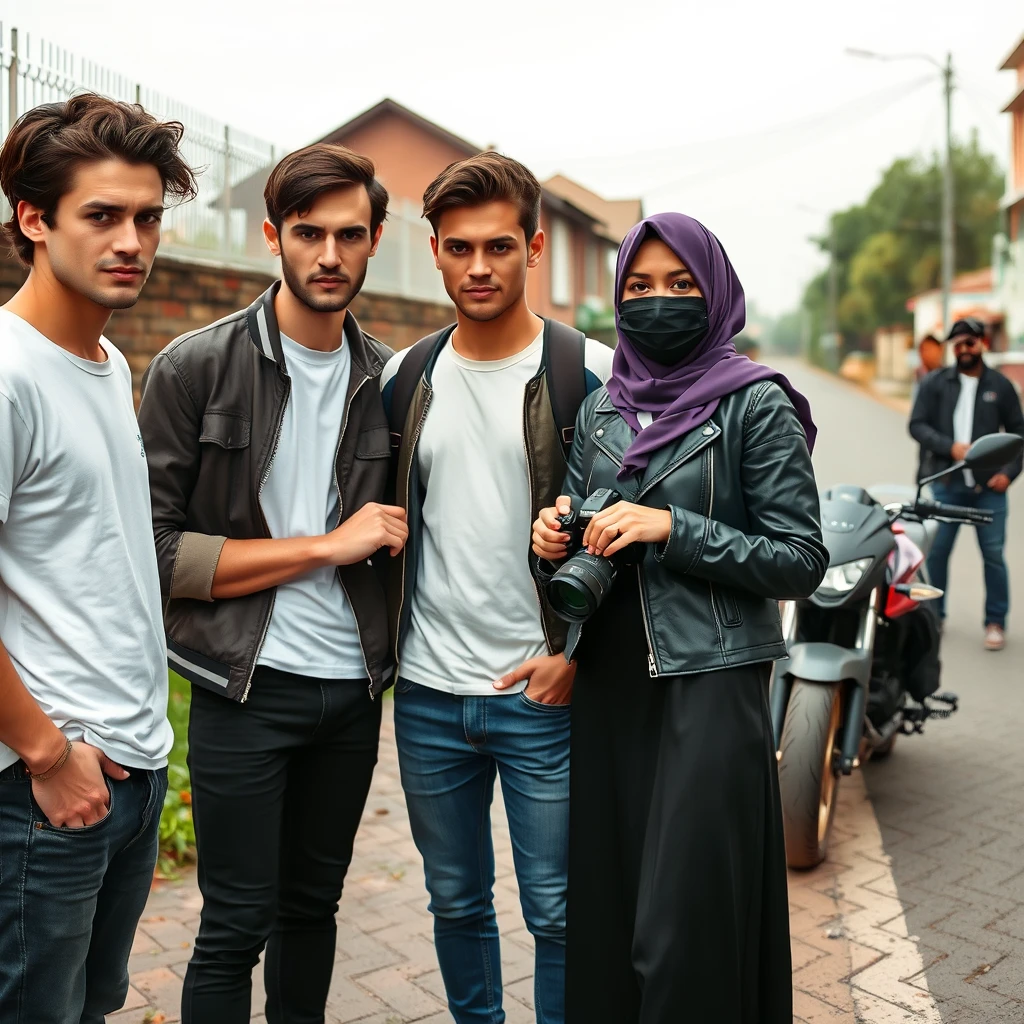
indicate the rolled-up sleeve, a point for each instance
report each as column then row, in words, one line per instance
column 169, row 421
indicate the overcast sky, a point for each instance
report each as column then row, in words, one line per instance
column 744, row 113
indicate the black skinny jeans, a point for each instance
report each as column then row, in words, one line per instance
column 278, row 787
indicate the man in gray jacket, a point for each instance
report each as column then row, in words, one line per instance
column 269, row 454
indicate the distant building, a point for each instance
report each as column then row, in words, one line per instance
column 972, row 294
column 1009, row 263
column 574, row 280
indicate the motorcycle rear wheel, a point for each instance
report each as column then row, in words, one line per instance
column 808, row 772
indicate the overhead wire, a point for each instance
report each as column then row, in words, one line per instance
column 833, row 125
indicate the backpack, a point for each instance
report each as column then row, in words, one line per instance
column 565, row 371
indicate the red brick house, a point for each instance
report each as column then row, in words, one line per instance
column 583, row 230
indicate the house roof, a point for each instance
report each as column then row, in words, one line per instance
column 1016, row 57
column 973, row 282
column 616, row 215
column 1017, row 103
column 389, row 106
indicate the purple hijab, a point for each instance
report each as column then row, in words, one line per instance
column 684, row 396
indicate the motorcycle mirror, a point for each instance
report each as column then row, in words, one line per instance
column 989, row 452
column 993, row 451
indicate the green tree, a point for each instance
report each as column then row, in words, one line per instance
column 889, row 247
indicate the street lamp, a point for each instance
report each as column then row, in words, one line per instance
column 948, row 241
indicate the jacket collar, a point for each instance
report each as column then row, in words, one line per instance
column 266, row 335
column 952, row 374
column 613, row 436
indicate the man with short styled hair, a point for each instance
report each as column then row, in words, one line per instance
column 84, row 735
column 269, row 460
column 482, row 413
column 953, row 407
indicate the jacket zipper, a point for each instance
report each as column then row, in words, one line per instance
column 428, row 394
column 652, row 665
column 529, row 478
column 711, row 588
column 337, row 483
column 266, row 530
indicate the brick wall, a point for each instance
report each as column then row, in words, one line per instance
column 181, row 297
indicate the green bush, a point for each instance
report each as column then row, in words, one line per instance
column 177, row 832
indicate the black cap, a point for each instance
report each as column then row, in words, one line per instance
column 968, row 325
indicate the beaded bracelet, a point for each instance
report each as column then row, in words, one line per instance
column 54, row 768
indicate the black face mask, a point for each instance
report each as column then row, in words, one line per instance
column 664, row 329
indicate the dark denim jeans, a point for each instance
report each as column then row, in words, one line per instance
column 70, row 900
column 278, row 787
column 450, row 749
column 991, row 540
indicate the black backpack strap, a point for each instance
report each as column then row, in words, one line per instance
column 407, row 377
column 566, row 377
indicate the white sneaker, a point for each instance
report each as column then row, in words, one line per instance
column 995, row 638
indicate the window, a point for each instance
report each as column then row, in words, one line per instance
column 591, row 269
column 611, row 256
column 561, row 263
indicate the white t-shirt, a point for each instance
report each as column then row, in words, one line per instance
column 963, row 416
column 80, row 609
column 475, row 611
column 312, row 630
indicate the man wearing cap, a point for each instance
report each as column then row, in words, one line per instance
column 954, row 406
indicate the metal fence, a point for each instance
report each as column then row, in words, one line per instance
column 212, row 227
column 223, row 224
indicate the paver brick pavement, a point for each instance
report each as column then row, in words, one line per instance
column 386, row 971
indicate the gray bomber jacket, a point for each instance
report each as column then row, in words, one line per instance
column 211, row 412
column 746, row 530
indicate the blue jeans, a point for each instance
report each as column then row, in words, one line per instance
column 70, row 900
column 449, row 749
column 991, row 540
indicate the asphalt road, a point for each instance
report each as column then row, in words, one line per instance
column 950, row 803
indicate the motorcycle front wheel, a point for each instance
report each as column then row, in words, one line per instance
column 808, row 770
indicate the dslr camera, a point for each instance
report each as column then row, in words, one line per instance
column 583, row 581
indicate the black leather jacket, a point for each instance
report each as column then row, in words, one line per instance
column 746, row 529
column 996, row 407
column 212, row 406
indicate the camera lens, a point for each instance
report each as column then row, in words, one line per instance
column 579, row 586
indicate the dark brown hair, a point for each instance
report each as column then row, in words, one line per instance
column 48, row 143
column 302, row 176
column 485, row 178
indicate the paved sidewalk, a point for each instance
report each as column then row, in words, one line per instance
column 386, row 972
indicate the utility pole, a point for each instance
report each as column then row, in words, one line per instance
column 948, row 212
column 833, row 283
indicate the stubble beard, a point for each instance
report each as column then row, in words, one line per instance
column 332, row 303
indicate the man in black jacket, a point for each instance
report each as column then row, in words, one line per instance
column 955, row 406
column 268, row 456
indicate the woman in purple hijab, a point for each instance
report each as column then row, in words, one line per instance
column 696, row 512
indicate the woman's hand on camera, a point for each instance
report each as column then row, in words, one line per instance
column 549, row 540
column 623, row 524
